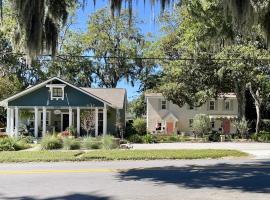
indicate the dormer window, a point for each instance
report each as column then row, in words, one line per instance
column 57, row 91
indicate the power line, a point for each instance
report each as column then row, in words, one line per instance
column 65, row 57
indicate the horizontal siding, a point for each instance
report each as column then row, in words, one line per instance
column 184, row 114
column 41, row 97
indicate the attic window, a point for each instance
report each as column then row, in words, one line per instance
column 57, row 91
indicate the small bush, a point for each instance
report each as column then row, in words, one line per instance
column 3, row 135
column 201, row 124
column 135, row 138
column 91, row 143
column 7, row 144
column 71, row 144
column 214, row 136
column 71, row 130
column 109, row 142
column 13, row 144
column 139, row 126
column 148, row 138
column 262, row 136
column 51, row 142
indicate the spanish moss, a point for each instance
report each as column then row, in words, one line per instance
column 39, row 22
column 246, row 13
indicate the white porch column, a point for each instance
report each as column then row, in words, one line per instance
column 78, row 121
column 44, row 119
column 11, row 128
column 105, row 120
column 16, row 121
column 8, row 121
column 96, row 122
column 70, row 117
column 36, row 123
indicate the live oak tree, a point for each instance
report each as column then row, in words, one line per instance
column 117, row 46
column 189, row 72
column 40, row 22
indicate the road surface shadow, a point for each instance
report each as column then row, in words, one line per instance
column 244, row 177
column 66, row 197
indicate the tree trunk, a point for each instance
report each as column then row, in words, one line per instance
column 240, row 91
column 257, row 102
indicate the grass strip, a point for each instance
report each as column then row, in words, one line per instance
column 56, row 156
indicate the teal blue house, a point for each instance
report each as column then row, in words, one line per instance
column 62, row 105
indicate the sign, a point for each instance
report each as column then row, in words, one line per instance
column 57, row 112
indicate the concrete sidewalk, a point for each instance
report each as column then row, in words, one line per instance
column 258, row 150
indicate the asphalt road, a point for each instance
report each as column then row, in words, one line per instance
column 127, row 180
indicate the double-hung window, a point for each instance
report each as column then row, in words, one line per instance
column 212, row 105
column 57, row 92
column 163, row 105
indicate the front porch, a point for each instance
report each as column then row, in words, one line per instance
column 58, row 119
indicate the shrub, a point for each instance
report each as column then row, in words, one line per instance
column 139, row 126
column 201, row 124
column 242, row 127
column 71, row 144
column 91, row 143
column 135, row 138
column 129, row 130
column 22, row 144
column 214, row 136
column 3, row 135
column 12, row 144
column 51, row 142
column 7, row 144
column 148, row 138
column 109, row 142
column 64, row 134
column 71, row 130
column 262, row 136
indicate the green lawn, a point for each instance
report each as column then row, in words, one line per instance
column 55, row 156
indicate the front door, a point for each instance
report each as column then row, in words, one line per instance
column 65, row 122
column 169, row 127
column 226, row 126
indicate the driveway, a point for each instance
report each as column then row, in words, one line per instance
column 222, row 179
column 257, row 150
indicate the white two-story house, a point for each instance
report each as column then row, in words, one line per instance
column 165, row 117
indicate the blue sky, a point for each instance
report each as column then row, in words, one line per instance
column 143, row 12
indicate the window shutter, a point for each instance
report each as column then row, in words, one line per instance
column 167, row 105
column 207, row 104
column 216, row 104
column 159, row 104
column 231, row 105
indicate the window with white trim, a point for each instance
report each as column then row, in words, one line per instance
column 163, row 105
column 57, row 91
column 212, row 105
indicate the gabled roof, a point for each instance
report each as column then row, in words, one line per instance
column 115, row 96
column 170, row 115
column 33, row 88
column 220, row 95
